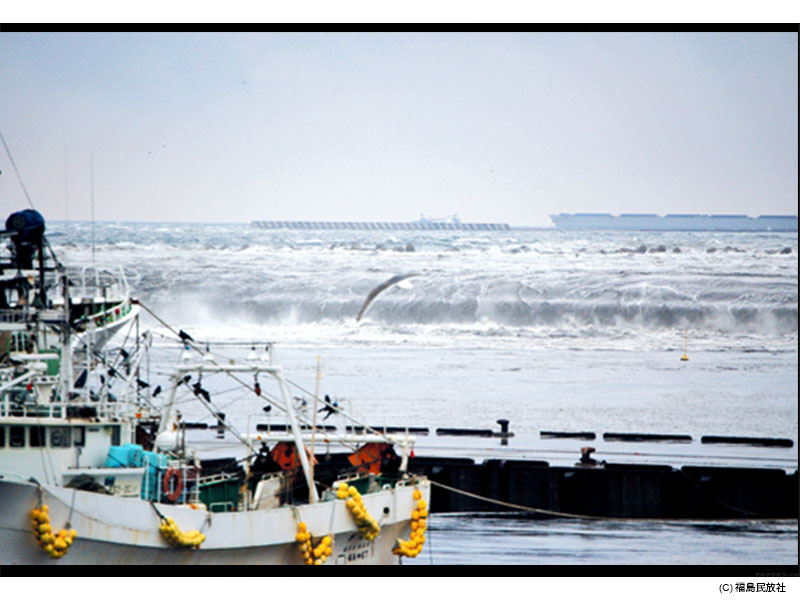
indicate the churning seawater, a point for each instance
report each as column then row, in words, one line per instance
column 552, row 330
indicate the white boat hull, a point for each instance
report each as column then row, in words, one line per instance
column 113, row 530
column 102, row 334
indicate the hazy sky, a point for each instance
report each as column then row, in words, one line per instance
column 320, row 126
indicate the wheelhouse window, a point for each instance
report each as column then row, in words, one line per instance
column 115, row 433
column 2, row 437
column 78, row 436
column 16, row 437
column 60, row 437
column 37, row 436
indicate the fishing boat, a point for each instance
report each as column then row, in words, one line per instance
column 98, row 464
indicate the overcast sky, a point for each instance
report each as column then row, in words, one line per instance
column 491, row 127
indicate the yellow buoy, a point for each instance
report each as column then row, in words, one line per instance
column 413, row 546
column 685, row 339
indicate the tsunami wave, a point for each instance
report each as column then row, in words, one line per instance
column 277, row 304
column 512, row 284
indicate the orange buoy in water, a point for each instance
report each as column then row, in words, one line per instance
column 685, row 336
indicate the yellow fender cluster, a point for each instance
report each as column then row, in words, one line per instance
column 180, row 539
column 313, row 555
column 55, row 544
column 419, row 523
column 367, row 524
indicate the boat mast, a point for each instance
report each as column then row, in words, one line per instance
column 314, row 425
column 275, row 372
column 175, row 380
column 66, row 343
column 298, row 438
column 91, row 186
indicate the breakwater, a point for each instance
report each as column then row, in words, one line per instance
column 383, row 225
column 614, row 475
column 613, row 490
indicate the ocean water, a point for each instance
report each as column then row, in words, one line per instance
column 519, row 540
column 552, row 330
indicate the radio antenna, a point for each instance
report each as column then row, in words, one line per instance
column 91, row 194
column 66, row 185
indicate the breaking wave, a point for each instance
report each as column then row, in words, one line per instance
column 275, row 304
column 496, row 284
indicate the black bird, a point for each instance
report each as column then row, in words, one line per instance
column 185, row 336
column 156, row 391
column 329, row 408
column 199, row 391
column 267, row 408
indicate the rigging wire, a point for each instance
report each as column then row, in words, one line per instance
column 300, row 417
column 14, row 165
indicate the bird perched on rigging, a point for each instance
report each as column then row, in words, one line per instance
column 331, row 407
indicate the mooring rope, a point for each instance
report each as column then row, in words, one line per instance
column 71, row 509
column 590, row 517
column 517, row 506
column 713, row 498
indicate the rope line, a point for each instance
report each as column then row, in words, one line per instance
column 71, row 509
column 590, row 517
column 717, row 500
column 519, row 506
column 158, row 512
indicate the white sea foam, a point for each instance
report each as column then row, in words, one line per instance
column 495, row 289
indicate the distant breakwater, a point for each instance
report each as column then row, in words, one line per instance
column 383, row 225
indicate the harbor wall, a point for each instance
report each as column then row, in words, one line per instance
column 608, row 491
column 612, row 490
